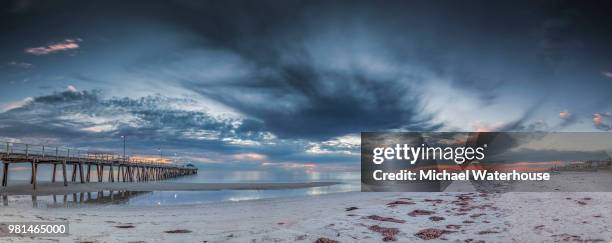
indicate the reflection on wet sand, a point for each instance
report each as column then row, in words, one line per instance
column 77, row 199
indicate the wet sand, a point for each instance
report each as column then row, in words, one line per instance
column 48, row 188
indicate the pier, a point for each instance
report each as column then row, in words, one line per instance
column 119, row 168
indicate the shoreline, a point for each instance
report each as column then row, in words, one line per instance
column 48, row 188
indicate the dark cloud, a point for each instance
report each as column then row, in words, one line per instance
column 309, row 60
column 300, row 101
column 73, row 116
column 301, row 74
column 88, row 120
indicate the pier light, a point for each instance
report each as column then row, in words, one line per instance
column 124, row 143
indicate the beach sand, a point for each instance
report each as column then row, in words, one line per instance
column 346, row 217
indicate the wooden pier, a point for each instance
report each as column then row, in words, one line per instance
column 127, row 169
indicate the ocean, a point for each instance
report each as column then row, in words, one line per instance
column 349, row 181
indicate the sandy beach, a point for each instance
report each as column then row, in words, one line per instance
column 344, row 217
column 459, row 216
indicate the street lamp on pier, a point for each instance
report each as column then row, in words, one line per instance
column 124, row 141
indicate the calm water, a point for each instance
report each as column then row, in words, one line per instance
column 350, row 181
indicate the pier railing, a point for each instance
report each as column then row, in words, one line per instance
column 46, row 152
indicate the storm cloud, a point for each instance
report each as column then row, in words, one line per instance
column 292, row 82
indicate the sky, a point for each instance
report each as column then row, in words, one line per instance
column 290, row 85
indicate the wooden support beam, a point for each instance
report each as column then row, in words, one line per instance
column 98, row 172
column 138, row 174
column 110, row 174
column 81, row 172
column 34, row 172
column 122, row 173
column 125, row 171
column 101, row 173
column 53, row 174
column 88, row 172
column 74, row 172
column 64, row 172
column 5, row 167
column 129, row 169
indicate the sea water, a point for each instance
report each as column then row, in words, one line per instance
column 348, row 181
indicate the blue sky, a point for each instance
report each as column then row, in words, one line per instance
column 290, row 85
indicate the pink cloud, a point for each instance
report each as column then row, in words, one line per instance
column 15, row 104
column 565, row 115
column 249, row 157
column 308, row 167
column 597, row 119
column 607, row 74
column 67, row 44
column 480, row 126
